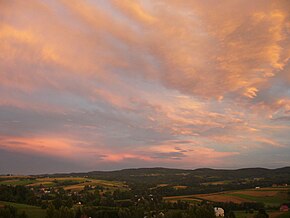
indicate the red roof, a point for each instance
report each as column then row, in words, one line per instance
column 284, row 208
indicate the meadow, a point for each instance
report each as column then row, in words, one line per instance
column 272, row 214
column 31, row 211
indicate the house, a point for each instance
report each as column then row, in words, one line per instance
column 161, row 214
column 284, row 208
column 219, row 212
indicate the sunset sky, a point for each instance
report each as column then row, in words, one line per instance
column 111, row 84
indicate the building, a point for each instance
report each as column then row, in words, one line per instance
column 284, row 208
column 161, row 214
column 219, row 212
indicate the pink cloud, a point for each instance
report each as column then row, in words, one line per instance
column 123, row 80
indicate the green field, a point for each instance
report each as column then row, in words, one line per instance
column 243, row 214
column 272, row 214
column 31, row 211
column 276, row 200
column 17, row 182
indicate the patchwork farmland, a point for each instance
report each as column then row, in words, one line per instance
column 268, row 196
column 67, row 183
column 170, row 191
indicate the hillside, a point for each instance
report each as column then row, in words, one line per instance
column 157, row 188
column 190, row 177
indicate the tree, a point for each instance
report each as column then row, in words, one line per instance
column 78, row 213
column 173, row 214
column 201, row 212
column 261, row 214
column 124, row 213
column 23, row 215
column 65, row 212
column 50, row 211
column 230, row 214
column 8, row 212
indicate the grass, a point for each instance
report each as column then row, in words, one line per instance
column 223, row 182
column 267, row 200
column 272, row 214
column 284, row 215
column 31, row 211
column 18, row 182
column 243, row 214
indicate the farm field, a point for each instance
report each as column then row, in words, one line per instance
column 187, row 198
column 112, row 185
column 272, row 214
column 31, row 211
column 268, row 200
column 269, row 196
column 68, row 183
column 17, row 181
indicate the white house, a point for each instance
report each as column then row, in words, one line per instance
column 219, row 212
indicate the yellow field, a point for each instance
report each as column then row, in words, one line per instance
column 95, row 182
column 14, row 177
column 40, row 183
column 180, row 187
column 47, row 179
column 189, row 198
column 258, row 193
column 218, row 197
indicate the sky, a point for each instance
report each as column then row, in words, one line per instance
column 109, row 84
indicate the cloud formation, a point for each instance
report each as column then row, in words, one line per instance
column 110, row 84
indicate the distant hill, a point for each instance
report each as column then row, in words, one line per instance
column 161, row 175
